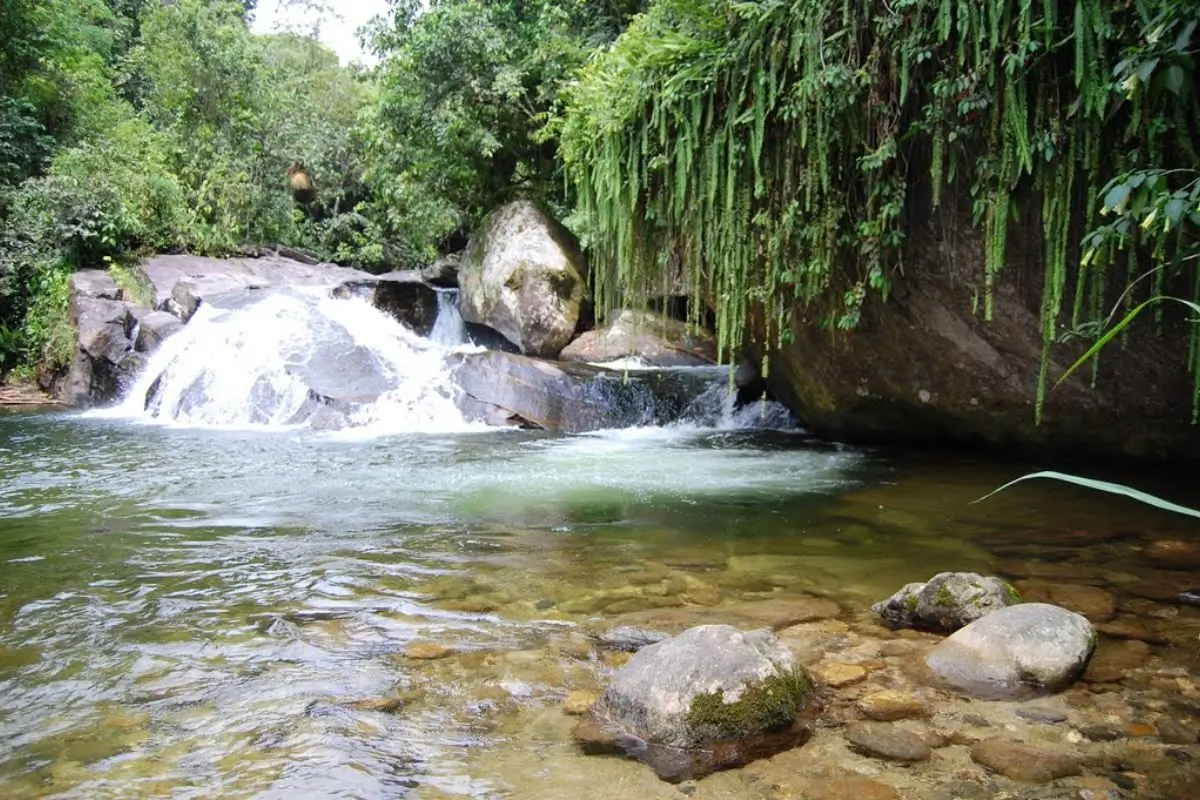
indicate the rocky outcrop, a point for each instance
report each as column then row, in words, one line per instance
column 507, row 389
column 655, row 339
column 443, row 271
column 524, row 276
column 1015, row 652
column 947, row 602
column 704, row 700
column 924, row 365
column 403, row 295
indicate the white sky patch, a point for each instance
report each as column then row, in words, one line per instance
column 338, row 30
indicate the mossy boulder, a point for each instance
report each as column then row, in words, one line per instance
column 523, row 275
column 710, row 698
column 947, row 602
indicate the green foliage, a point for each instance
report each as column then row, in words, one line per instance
column 776, row 148
column 466, row 117
column 134, row 285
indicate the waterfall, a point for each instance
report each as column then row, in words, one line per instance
column 298, row 356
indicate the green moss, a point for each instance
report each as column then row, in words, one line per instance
column 911, row 602
column 134, row 285
column 772, row 703
column 1014, row 597
column 944, row 598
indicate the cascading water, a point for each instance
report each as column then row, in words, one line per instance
column 301, row 356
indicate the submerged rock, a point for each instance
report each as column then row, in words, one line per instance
column 655, row 339
column 887, row 741
column 523, row 275
column 1015, row 652
column 1024, row 763
column 711, row 698
column 947, row 602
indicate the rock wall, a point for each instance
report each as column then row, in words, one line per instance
column 923, row 367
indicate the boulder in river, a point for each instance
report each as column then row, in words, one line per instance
column 1015, row 652
column 443, row 271
column 505, row 388
column 947, row 602
column 657, row 340
column 523, row 275
column 714, row 697
column 105, row 363
column 402, row 295
column 153, row 329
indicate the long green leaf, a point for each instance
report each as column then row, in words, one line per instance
column 1102, row 486
column 1116, row 329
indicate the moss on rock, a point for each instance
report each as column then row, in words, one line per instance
column 768, row 704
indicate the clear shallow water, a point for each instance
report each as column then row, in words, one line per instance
column 199, row 613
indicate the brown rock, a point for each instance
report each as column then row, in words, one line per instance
column 579, row 703
column 887, row 706
column 850, row 787
column 1173, row 553
column 1142, row 630
column 1175, row 732
column 427, row 651
column 887, row 741
column 1114, row 659
column 838, row 673
column 1094, row 603
column 1024, row 763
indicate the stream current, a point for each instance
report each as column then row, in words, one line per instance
column 224, row 609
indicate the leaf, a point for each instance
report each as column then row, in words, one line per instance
column 1185, row 37
column 1146, row 69
column 1117, row 197
column 1116, row 329
column 1175, row 79
column 1101, row 486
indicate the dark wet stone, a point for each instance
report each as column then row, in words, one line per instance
column 1189, row 598
column 544, row 605
column 887, row 741
column 1175, row 732
column 628, row 638
column 1173, row 553
column 1024, row 763
column 1048, row 715
column 1091, row 601
column 1101, row 732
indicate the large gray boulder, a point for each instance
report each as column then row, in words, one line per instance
column 655, row 339
column 105, row 363
column 1015, row 652
column 947, row 602
column 685, row 699
column 524, row 276
column 509, row 389
column 154, row 328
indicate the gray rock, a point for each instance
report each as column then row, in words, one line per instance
column 104, row 365
column 444, row 271
column 708, row 683
column 947, row 602
column 657, row 340
column 629, row 638
column 887, row 741
column 504, row 388
column 96, row 284
column 153, row 329
column 523, row 275
column 1015, row 652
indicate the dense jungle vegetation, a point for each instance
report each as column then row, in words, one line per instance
column 772, row 153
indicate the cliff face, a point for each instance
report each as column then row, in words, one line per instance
column 924, row 367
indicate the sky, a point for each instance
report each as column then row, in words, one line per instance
column 337, row 31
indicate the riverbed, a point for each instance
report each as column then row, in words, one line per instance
column 190, row 612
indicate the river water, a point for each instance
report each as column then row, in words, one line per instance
column 275, row 612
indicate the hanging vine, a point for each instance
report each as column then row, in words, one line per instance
column 767, row 146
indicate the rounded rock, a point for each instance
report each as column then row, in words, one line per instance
column 887, row 741
column 1015, row 652
column 947, row 602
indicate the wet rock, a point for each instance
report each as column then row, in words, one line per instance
column 402, row 295
column 523, row 275
column 947, row 602
column 888, row 706
column 711, row 698
column 579, row 703
column 1173, row 731
column 836, row 674
column 657, row 340
column 104, row 365
column 507, row 389
column 1024, row 763
column 1015, row 652
column 850, row 787
column 1191, row 597
column 1134, row 628
column 1090, row 601
column 155, row 328
column 1113, row 660
column 1101, row 732
column 1173, row 553
column 427, row 651
column 887, row 741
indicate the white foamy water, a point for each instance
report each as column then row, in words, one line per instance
column 292, row 357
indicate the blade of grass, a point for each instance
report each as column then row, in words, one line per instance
column 1102, row 486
